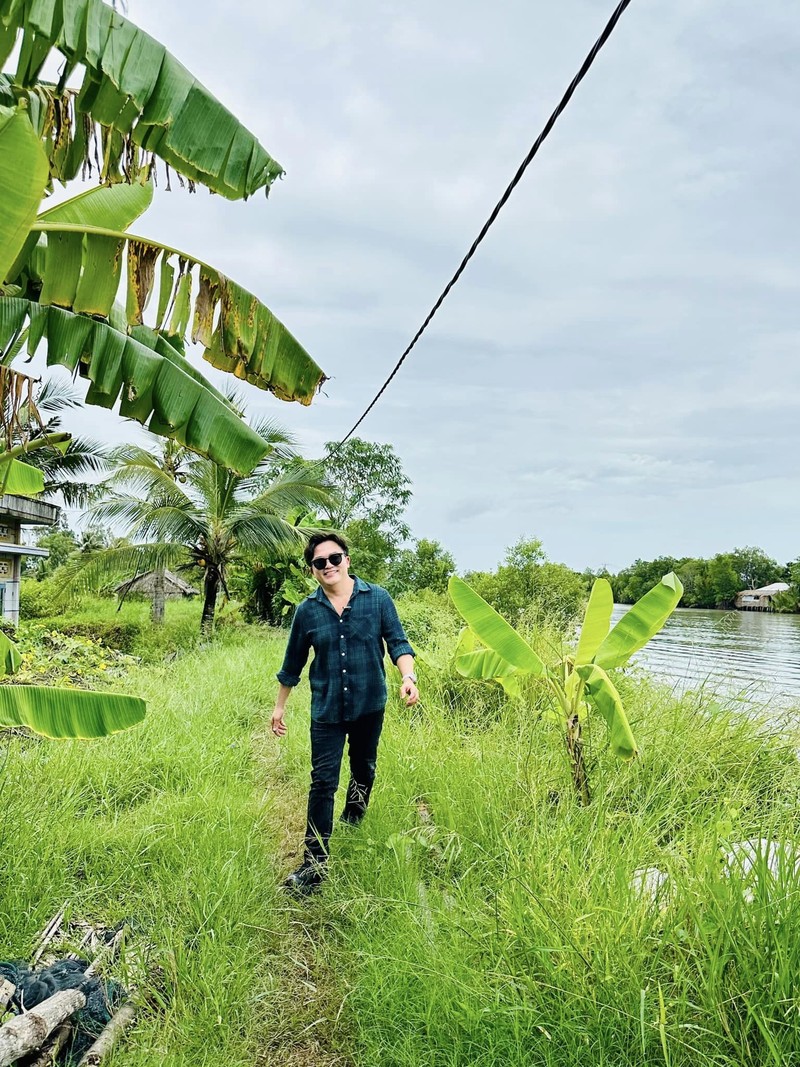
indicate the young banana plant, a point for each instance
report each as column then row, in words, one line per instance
column 577, row 682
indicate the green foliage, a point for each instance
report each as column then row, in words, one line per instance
column 163, row 826
column 425, row 566
column 708, row 583
column 56, row 657
column 576, row 683
column 373, row 492
column 38, row 598
column 129, row 629
column 271, row 591
column 428, row 619
column 64, row 266
column 489, row 921
column 202, row 518
column 529, row 587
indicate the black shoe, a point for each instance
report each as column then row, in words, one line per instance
column 307, row 879
column 352, row 817
column 355, row 805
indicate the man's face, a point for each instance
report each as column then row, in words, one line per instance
column 332, row 572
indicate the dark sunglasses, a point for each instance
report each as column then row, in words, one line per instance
column 335, row 558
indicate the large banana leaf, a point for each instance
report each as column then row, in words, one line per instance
column 60, row 713
column 492, row 629
column 136, row 91
column 113, row 206
column 82, row 271
column 643, row 621
column 484, row 664
column 602, row 694
column 156, row 385
column 22, row 479
column 23, row 176
column 596, row 621
column 18, row 478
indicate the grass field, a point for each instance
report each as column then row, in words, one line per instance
column 478, row 916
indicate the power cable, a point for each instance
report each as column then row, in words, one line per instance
column 601, row 40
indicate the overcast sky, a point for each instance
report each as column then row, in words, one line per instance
column 617, row 372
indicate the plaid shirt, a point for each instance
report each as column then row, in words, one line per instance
column 347, row 676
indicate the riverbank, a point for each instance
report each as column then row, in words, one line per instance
column 477, row 917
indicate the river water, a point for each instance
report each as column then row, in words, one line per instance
column 754, row 655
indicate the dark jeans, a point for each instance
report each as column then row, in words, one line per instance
column 327, row 748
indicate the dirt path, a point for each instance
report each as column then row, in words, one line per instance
column 303, row 1019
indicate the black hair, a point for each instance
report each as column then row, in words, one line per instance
column 317, row 539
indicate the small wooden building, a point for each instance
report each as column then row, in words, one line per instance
column 15, row 513
column 144, row 584
column 759, row 599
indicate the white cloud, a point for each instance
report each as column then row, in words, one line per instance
column 620, row 359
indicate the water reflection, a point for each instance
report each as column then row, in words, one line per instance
column 753, row 653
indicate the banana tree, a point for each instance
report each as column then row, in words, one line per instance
column 60, row 270
column 578, row 683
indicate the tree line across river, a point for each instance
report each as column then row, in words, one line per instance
column 368, row 505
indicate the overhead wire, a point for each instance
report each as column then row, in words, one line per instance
column 565, row 99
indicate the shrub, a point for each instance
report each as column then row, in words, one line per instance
column 428, row 618
column 37, row 599
column 123, row 636
column 50, row 657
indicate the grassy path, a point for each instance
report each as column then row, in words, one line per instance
column 181, row 828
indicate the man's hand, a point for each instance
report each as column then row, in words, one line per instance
column 409, row 692
column 278, row 725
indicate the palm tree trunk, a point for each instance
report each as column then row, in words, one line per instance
column 157, row 607
column 211, row 587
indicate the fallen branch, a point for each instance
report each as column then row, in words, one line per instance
column 52, row 1047
column 27, row 1033
column 105, row 1042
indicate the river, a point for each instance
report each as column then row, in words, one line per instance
column 751, row 654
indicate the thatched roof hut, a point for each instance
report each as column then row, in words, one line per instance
column 759, row 599
column 145, row 584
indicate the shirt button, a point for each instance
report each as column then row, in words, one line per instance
column 345, row 689
column 344, row 670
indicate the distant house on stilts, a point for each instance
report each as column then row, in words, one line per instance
column 759, row 599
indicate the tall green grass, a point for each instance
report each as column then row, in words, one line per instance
column 481, row 917
column 162, row 826
column 478, row 916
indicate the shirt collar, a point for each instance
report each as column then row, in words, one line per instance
column 360, row 587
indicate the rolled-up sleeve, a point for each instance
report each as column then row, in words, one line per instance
column 297, row 649
column 392, row 630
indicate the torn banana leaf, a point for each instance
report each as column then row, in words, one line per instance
column 153, row 383
column 142, row 98
column 83, row 267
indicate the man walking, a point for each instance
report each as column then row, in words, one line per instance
column 347, row 622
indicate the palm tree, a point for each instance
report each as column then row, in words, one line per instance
column 208, row 519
